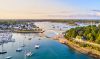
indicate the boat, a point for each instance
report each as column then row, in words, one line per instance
column 3, row 51
column 19, row 50
column 65, row 27
column 29, row 38
column 28, row 54
column 6, row 37
column 9, row 57
column 23, row 45
column 37, row 46
column 39, row 39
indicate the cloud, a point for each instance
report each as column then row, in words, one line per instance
column 98, row 13
column 96, row 10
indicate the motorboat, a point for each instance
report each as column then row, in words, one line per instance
column 9, row 57
column 19, row 50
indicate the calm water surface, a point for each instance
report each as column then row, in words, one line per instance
column 49, row 49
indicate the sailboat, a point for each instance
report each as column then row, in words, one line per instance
column 19, row 50
column 23, row 42
column 39, row 39
column 23, row 45
column 5, row 38
column 29, row 38
column 37, row 46
column 9, row 57
column 3, row 51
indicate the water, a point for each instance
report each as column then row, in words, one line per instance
column 49, row 48
column 58, row 26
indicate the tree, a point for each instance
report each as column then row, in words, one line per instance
column 91, row 33
column 90, row 37
column 98, row 39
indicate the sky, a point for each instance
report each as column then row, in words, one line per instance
column 49, row 9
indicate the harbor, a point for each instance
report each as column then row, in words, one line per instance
column 48, row 48
column 49, row 29
column 40, row 45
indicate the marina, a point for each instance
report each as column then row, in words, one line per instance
column 34, row 46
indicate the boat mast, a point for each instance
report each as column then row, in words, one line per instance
column 2, row 48
column 24, row 40
column 24, row 54
column 2, row 45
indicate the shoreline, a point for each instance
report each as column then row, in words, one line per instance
column 84, row 50
column 22, row 31
column 28, row 31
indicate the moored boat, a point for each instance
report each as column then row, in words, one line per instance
column 3, row 52
column 9, row 57
column 29, row 38
column 23, row 45
column 28, row 54
column 19, row 50
column 37, row 46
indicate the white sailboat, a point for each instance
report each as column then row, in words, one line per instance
column 19, row 50
column 9, row 57
column 23, row 44
column 2, row 50
column 37, row 46
column 5, row 38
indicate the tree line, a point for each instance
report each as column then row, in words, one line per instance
column 89, row 33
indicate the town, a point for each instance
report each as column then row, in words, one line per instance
column 20, row 27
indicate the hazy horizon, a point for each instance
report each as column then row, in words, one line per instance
column 49, row 9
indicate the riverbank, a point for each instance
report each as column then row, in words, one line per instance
column 85, row 50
